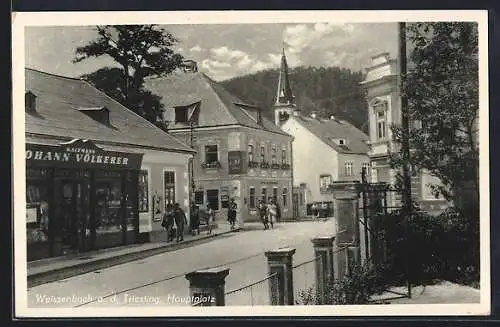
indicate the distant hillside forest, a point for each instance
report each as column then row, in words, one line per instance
column 327, row 91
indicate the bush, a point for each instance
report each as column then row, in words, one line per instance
column 440, row 247
column 357, row 288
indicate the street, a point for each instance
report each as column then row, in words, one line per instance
column 159, row 280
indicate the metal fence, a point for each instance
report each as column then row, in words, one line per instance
column 261, row 292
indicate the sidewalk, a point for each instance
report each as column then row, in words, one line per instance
column 53, row 269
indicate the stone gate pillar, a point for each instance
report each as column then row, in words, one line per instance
column 280, row 262
column 346, row 205
column 206, row 287
column 323, row 248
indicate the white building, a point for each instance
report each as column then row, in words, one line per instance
column 323, row 150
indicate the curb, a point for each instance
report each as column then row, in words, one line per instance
column 102, row 263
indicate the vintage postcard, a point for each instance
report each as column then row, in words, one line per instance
column 298, row 163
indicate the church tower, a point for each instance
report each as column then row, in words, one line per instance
column 284, row 104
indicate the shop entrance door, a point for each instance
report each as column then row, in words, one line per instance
column 74, row 219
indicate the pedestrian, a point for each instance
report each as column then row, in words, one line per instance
column 263, row 213
column 168, row 222
column 271, row 211
column 231, row 213
column 278, row 212
column 195, row 219
column 315, row 211
column 180, row 221
column 209, row 218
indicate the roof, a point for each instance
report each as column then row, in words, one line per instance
column 59, row 113
column 330, row 130
column 217, row 106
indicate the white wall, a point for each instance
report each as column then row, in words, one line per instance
column 311, row 158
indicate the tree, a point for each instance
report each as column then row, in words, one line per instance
column 140, row 51
column 442, row 86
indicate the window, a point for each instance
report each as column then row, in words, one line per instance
column 348, row 168
column 169, row 187
column 263, row 195
column 273, row 154
column 250, row 153
column 108, row 202
column 143, row 193
column 275, row 195
column 301, row 199
column 252, row 197
column 198, row 197
column 366, row 167
column 283, row 156
column 213, row 199
column 341, row 142
column 211, row 154
column 324, row 181
column 262, row 153
column 285, row 197
column 380, row 111
column 181, row 115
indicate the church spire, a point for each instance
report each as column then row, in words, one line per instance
column 284, row 95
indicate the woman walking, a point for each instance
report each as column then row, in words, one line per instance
column 209, row 218
column 271, row 211
column 195, row 219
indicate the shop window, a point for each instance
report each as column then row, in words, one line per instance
column 213, row 199
column 143, row 191
column 108, row 205
column 37, row 211
column 198, row 197
column 252, row 197
column 211, row 154
column 275, row 195
column 324, row 181
column 301, row 199
column 169, row 187
column 285, row 197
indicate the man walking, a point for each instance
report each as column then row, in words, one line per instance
column 168, row 222
column 231, row 213
column 180, row 221
column 263, row 213
column 195, row 219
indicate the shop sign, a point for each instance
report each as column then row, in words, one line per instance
column 81, row 154
column 235, row 162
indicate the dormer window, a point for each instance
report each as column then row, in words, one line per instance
column 342, row 142
column 339, row 141
column 181, row 115
column 30, row 102
column 100, row 114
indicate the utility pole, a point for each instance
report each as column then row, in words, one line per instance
column 191, row 131
column 405, row 148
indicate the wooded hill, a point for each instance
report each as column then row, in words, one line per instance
column 327, row 91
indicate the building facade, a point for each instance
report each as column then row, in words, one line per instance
column 97, row 175
column 384, row 109
column 240, row 153
column 324, row 150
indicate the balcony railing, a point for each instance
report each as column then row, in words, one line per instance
column 264, row 164
column 213, row 164
column 253, row 164
column 285, row 166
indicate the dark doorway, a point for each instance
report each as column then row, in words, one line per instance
column 73, row 220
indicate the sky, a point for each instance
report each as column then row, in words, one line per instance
column 226, row 51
